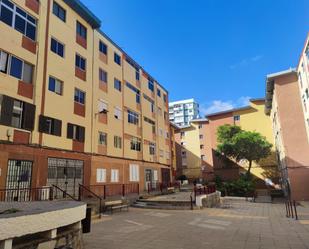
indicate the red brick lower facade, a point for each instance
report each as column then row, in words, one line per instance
column 39, row 156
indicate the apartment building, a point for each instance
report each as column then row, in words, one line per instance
column 285, row 106
column 75, row 107
column 199, row 144
column 183, row 111
column 190, row 146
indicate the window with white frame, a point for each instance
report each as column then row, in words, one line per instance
column 117, row 142
column 134, row 172
column 155, row 175
column 101, row 175
column 133, row 117
column 102, row 138
column 18, row 19
column 117, row 113
column 152, row 148
column 103, row 106
column 114, row 175
column 135, row 144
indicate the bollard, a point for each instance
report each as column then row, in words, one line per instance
column 291, row 205
column 295, row 210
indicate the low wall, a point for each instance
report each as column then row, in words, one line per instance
column 209, row 201
column 41, row 224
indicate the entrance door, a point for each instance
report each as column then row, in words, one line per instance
column 166, row 176
column 18, row 181
column 67, row 174
column 148, row 179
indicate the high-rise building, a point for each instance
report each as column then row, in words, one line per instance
column 75, row 107
column 183, row 111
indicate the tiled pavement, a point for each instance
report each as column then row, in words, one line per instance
column 244, row 225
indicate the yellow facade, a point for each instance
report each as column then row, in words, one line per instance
column 152, row 128
column 255, row 119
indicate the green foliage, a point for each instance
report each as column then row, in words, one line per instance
column 239, row 144
column 239, row 187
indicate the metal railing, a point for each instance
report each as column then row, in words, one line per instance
column 81, row 193
column 112, row 190
column 205, row 190
column 65, row 194
column 161, row 187
column 26, row 194
column 291, row 210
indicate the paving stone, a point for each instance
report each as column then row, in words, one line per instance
column 245, row 225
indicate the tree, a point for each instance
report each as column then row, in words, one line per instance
column 239, row 144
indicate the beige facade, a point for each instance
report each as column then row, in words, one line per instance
column 285, row 107
column 80, row 93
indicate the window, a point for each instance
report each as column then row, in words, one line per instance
column 165, row 116
column 161, row 152
column 201, row 146
column 183, row 143
column 4, row 57
column 117, row 84
column 103, row 47
column 133, row 117
column 152, row 148
column 59, row 11
column 161, row 132
column 201, row 136
column 134, row 89
column 50, row 125
column 101, row 175
column 236, row 118
column 102, row 75
column 18, row 19
column 102, row 106
column 76, row 132
column 152, row 105
column 159, row 111
column 117, row 113
column 16, row 67
column 117, row 59
column 117, row 142
column 81, row 30
column 16, row 113
column 137, row 77
column 150, row 85
column 80, row 62
column 134, row 173
column 155, row 175
column 200, row 126
column 203, row 157
column 307, row 93
column 55, row 85
column 114, row 175
column 102, row 138
column 164, row 98
column 166, row 135
column 183, row 154
column 57, row 47
column 159, row 92
column 135, row 144
column 79, row 96
column 182, row 134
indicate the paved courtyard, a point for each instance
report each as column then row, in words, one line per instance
column 243, row 225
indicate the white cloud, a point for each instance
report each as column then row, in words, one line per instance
column 246, row 61
column 220, row 106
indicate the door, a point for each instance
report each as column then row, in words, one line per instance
column 148, row 179
column 166, row 176
column 66, row 174
column 18, row 181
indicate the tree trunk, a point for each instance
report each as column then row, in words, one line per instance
column 249, row 169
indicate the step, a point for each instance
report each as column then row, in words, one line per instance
column 167, row 207
column 263, row 199
column 163, row 202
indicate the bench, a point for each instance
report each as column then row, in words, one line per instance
column 113, row 205
column 170, row 190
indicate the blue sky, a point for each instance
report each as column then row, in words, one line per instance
column 216, row 51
